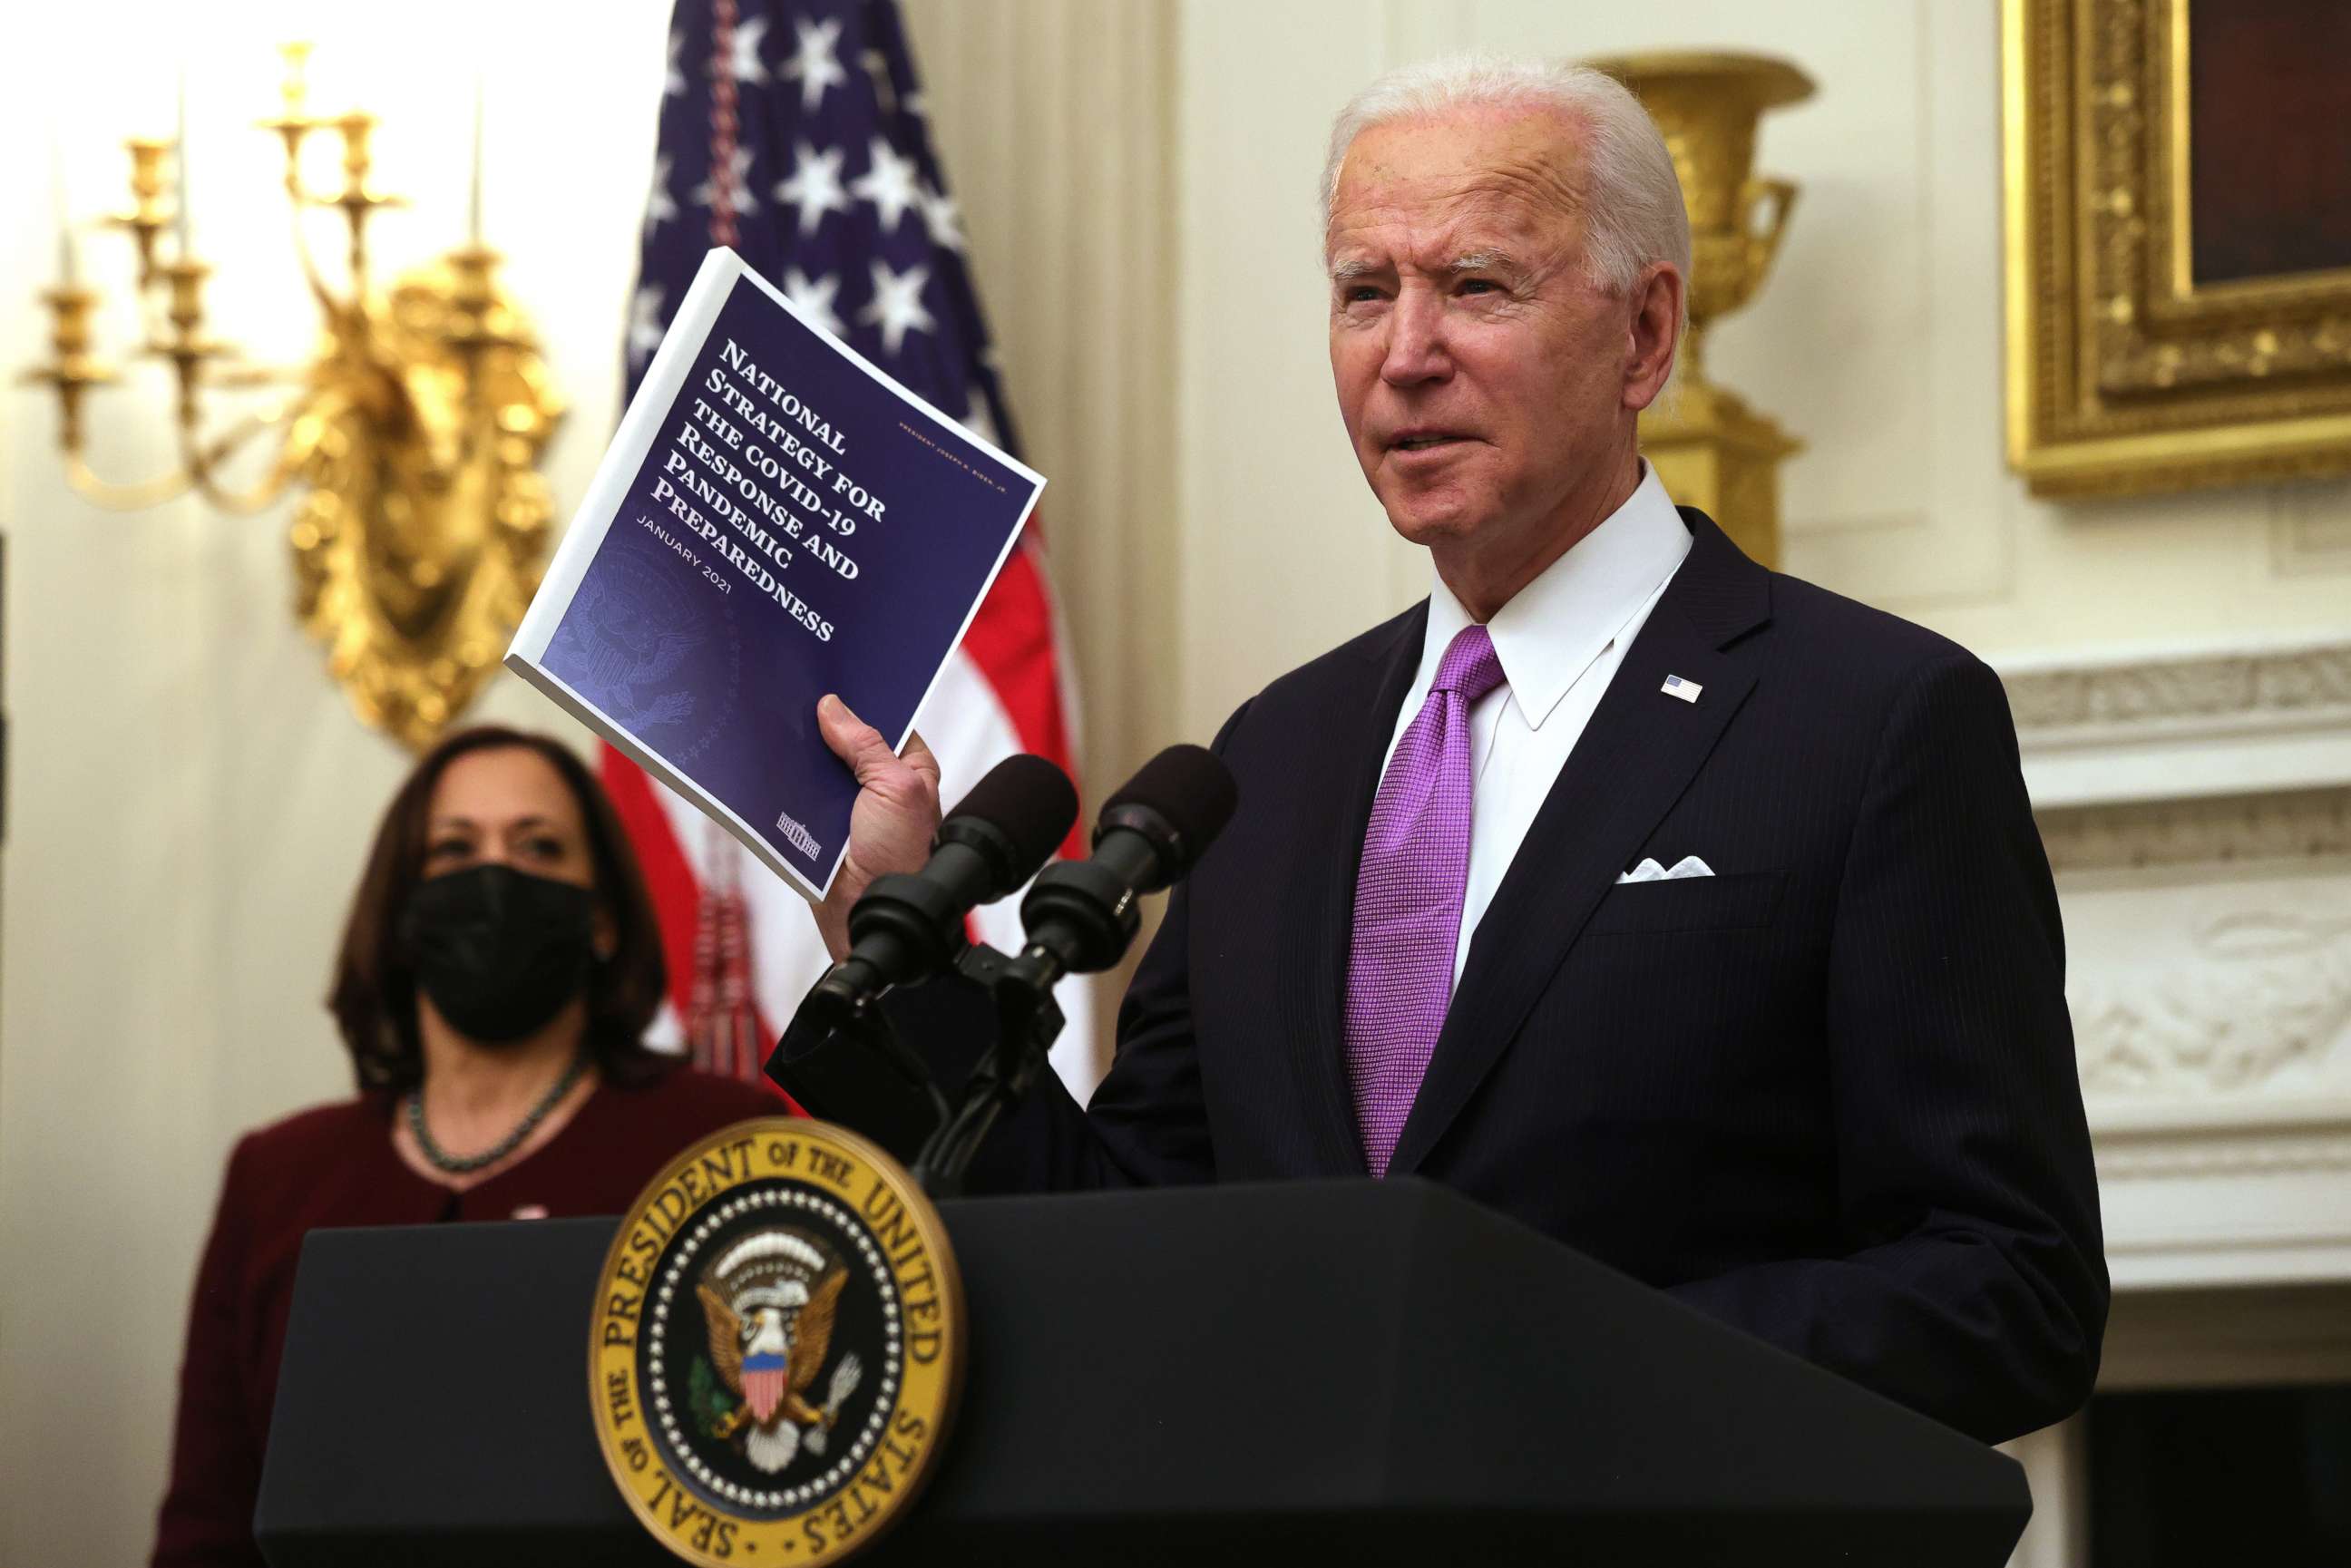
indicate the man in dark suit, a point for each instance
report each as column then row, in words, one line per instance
column 1689, row 912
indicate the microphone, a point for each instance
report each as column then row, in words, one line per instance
column 910, row 925
column 1080, row 917
column 1081, row 914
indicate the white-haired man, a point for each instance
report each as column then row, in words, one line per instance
column 1690, row 914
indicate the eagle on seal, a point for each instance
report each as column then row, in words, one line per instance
column 769, row 1302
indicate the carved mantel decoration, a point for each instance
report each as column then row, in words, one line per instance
column 2275, row 686
column 413, row 435
column 2179, row 263
column 2195, row 809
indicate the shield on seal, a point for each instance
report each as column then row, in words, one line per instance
column 765, row 1376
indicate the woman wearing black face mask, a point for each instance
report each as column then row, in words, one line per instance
column 498, row 969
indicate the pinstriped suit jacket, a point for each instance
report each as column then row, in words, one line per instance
column 1828, row 1094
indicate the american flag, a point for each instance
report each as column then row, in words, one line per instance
column 793, row 131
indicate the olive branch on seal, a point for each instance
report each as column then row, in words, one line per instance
column 710, row 1403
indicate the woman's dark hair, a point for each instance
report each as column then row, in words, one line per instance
column 373, row 996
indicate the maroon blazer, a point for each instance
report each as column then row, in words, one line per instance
column 334, row 1166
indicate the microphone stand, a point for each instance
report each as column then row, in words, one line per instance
column 1028, row 1020
column 818, row 1058
column 839, row 1028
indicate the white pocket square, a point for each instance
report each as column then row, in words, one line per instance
column 1649, row 871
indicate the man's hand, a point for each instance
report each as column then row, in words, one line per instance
column 891, row 828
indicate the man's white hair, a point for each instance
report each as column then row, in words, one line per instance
column 1631, row 197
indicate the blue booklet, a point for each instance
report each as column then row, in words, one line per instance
column 775, row 519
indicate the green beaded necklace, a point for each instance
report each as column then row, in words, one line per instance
column 465, row 1164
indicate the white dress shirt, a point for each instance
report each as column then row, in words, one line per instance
column 1559, row 640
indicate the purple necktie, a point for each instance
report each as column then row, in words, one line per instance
column 1408, row 897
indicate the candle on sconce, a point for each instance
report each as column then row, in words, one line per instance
column 180, row 163
column 473, row 205
column 68, row 264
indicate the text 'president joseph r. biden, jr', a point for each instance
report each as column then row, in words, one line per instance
column 1686, row 911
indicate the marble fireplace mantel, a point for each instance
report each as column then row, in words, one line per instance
column 2196, row 805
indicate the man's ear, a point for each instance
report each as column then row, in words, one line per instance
column 1655, row 329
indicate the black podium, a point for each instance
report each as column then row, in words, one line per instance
column 1351, row 1373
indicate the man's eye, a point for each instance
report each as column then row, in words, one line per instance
column 1480, row 286
column 1358, row 294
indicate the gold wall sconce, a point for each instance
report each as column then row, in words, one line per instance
column 412, row 436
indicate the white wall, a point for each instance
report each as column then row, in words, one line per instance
column 190, row 796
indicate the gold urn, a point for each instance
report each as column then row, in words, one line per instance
column 1712, row 450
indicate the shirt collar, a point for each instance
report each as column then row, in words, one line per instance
column 1554, row 627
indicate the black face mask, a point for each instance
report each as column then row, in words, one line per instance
column 499, row 951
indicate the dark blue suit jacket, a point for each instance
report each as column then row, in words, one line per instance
column 1827, row 1095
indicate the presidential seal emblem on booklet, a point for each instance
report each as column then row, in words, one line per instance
column 777, row 1346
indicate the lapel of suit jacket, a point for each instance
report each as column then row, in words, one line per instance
column 1635, row 759
column 1364, row 713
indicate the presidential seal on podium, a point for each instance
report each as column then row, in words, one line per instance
column 777, row 1346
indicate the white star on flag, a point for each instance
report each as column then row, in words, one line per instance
column 660, row 208
column 746, row 64
column 815, row 68
column 941, row 216
column 814, row 299
column 891, row 185
column 738, row 188
column 645, row 323
column 815, row 186
column 898, row 304
column 675, row 86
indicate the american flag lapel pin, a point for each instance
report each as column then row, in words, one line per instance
column 1676, row 686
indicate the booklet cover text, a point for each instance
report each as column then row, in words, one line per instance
column 775, row 519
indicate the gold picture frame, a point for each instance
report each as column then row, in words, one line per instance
column 2126, row 374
